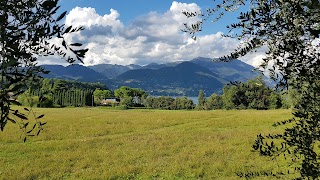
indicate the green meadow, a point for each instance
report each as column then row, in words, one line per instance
column 98, row 143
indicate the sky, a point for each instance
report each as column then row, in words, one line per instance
column 145, row 31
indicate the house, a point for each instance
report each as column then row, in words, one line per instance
column 109, row 101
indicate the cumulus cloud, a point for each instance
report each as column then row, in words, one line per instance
column 153, row 37
column 255, row 58
column 88, row 18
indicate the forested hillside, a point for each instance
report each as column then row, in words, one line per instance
column 182, row 78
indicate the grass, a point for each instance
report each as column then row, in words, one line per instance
column 95, row 143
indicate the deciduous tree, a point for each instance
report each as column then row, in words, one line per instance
column 99, row 95
column 214, row 102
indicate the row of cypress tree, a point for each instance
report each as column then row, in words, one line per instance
column 60, row 93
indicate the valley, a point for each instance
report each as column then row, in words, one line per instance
column 184, row 78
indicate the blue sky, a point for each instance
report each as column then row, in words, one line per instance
column 129, row 9
column 145, row 31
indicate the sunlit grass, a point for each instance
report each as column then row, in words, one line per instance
column 94, row 143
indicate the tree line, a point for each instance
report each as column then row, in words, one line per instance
column 59, row 93
column 64, row 93
column 252, row 94
column 136, row 97
column 169, row 103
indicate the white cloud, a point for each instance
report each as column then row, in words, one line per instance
column 88, row 18
column 177, row 8
column 153, row 37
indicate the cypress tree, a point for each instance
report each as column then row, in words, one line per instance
column 201, row 100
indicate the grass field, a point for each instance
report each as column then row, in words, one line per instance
column 96, row 143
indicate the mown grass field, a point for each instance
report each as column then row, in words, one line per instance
column 96, row 143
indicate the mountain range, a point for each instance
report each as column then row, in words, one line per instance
column 183, row 78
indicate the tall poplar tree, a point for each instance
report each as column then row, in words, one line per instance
column 201, row 100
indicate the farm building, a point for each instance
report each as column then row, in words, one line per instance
column 109, row 101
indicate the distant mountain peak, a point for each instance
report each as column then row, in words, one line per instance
column 183, row 79
column 74, row 72
column 172, row 78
